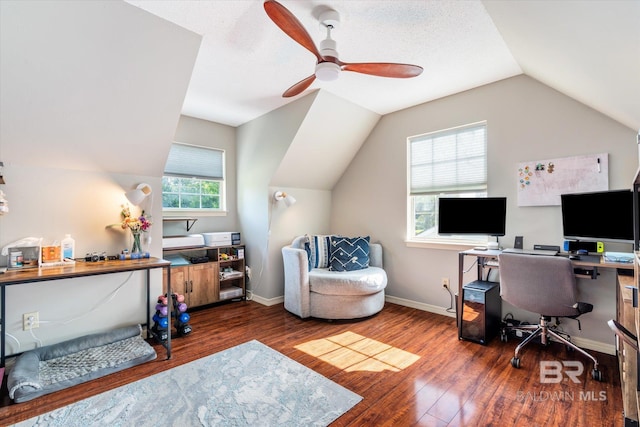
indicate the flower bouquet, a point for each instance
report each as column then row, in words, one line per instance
column 137, row 225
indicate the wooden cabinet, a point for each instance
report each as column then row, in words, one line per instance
column 635, row 399
column 198, row 283
column 627, row 355
column 206, row 275
column 628, row 317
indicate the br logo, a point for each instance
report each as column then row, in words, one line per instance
column 552, row 371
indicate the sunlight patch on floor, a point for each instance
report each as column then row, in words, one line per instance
column 353, row 352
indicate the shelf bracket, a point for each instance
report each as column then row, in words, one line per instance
column 188, row 221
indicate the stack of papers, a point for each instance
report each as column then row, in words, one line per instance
column 230, row 274
column 618, row 257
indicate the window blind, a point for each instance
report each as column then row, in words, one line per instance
column 190, row 161
column 449, row 161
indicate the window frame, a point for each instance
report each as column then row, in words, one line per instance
column 222, row 194
column 434, row 240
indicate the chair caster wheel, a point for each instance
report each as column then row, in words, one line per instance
column 596, row 374
column 515, row 362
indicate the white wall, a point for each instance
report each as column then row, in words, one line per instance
column 303, row 148
column 325, row 143
column 526, row 120
column 262, row 143
column 91, row 96
column 309, row 215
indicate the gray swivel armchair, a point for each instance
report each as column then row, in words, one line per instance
column 545, row 285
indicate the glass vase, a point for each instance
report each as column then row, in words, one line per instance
column 136, row 249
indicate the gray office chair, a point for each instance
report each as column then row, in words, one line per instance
column 545, row 285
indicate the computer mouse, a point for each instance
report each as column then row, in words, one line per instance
column 582, row 252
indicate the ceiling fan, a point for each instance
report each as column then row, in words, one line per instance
column 328, row 66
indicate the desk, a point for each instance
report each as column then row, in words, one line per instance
column 626, row 315
column 80, row 269
column 488, row 257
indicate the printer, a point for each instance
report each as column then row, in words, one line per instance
column 225, row 238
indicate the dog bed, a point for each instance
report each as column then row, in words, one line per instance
column 58, row 366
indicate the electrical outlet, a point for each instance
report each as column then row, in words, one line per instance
column 30, row 321
column 445, row 282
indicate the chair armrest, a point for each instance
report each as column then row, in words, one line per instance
column 296, row 281
column 375, row 255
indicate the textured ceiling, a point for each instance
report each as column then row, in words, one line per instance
column 246, row 62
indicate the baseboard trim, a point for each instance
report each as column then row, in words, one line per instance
column 419, row 305
column 266, row 301
column 594, row 345
column 580, row 342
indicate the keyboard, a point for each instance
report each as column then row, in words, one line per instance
column 530, row 251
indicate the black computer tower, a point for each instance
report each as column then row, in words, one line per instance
column 481, row 311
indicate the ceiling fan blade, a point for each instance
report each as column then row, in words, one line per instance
column 288, row 23
column 299, row 87
column 384, row 69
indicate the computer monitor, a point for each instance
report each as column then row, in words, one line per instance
column 598, row 216
column 472, row 215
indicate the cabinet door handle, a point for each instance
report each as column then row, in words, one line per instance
column 634, row 295
column 191, row 283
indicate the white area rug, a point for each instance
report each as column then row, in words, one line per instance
column 250, row 384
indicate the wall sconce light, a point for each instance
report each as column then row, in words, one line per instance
column 4, row 205
column 1, row 177
column 140, row 193
column 288, row 199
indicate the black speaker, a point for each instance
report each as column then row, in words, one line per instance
column 481, row 309
column 518, row 242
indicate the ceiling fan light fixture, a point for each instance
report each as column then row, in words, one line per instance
column 327, row 71
column 328, row 64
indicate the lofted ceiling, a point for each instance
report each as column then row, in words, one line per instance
column 77, row 95
column 589, row 50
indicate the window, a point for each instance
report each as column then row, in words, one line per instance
column 193, row 179
column 450, row 163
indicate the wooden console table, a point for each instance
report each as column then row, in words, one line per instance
column 80, row 269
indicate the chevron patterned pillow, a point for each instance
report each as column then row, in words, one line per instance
column 349, row 254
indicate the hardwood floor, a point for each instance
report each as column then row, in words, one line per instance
column 433, row 379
